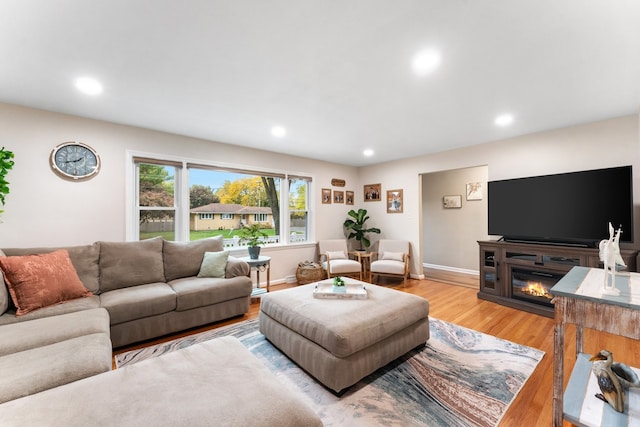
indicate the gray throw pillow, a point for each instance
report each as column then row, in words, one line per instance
column 214, row 264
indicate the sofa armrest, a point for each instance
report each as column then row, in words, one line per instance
column 236, row 267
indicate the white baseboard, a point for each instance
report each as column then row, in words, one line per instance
column 454, row 275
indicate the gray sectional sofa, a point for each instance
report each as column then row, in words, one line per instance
column 139, row 290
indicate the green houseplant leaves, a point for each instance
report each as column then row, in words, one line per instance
column 6, row 164
column 356, row 227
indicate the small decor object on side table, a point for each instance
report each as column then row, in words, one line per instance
column 610, row 256
column 613, row 378
column 339, row 285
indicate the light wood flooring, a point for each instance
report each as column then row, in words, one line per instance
column 459, row 305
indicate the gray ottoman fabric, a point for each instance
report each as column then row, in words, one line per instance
column 341, row 341
column 216, row 383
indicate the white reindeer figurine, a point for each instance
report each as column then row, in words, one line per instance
column 610, row 255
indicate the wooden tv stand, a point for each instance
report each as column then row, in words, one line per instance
column 498, row 258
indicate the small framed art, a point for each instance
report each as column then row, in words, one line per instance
column 326, row 196
column 474, row 191
column 372, row 192
column 452, row 202
column 394, row 201
column 349, row 197
column 338, row 196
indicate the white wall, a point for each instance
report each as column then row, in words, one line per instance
column 453, row 229
column 607, row 143
column 45, row 210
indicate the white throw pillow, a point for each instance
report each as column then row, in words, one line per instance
column 214, row 264
column 336, row 255
column 393, row 256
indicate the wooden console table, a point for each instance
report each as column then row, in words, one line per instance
column 578, row 300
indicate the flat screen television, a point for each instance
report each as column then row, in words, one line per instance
column 569, row 208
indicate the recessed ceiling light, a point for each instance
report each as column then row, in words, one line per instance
column 424, row 62
column 89, row 86
column 503, row 120
column 278, row 131
column 368, row 152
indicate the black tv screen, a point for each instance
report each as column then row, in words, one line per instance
column 568, row 208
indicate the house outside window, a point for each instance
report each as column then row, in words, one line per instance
column 182, row 201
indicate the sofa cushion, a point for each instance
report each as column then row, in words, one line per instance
column 124, row 264
column 137, row 302
column 79, row 304
column 236, row 267
column 32, row 371
column 37, row 281
column 84, row 259
column 183, row 259
column 193, row 292
column 4, row 292
column 215, row 383
column 214, row 264
column 23, row 336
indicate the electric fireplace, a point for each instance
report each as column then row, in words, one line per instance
column 533, row 285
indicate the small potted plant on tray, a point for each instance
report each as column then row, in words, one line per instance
column 338, row 285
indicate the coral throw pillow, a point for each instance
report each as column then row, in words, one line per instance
column 41, row 280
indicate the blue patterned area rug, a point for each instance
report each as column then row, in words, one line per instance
column 460, row 378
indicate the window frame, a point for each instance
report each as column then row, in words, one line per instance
column 181, row 194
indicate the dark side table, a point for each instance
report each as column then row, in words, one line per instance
column 263, row 263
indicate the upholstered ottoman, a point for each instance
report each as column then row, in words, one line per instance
column 340, row 341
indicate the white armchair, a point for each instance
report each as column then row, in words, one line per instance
column 392, row 260
column 334, row 258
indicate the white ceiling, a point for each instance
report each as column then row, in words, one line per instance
column 336, row 73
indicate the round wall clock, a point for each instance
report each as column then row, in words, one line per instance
column 75, row 161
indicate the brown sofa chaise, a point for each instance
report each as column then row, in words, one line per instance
column 139, row 290
column 215, row 383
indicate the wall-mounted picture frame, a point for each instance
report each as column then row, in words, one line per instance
column 349, row 196
column 474, row 191
column 394, row 201
column 338, row 182
column 338, row 196
column 372, row 192
column 326, row 196
column 452, row 202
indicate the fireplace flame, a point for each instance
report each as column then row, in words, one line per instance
column 536, row 289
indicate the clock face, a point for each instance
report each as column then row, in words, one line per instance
column 74, row 160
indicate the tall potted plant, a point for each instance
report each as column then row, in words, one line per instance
column 253, row 235
column 356, row 227
column 6, row 164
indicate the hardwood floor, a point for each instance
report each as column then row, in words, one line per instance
column 459, row 305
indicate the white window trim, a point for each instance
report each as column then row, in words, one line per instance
column 182, row 203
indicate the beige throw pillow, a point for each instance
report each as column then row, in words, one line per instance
column 336, row 255
column 393, row 256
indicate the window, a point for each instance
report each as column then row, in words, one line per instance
column 298, row 209
column 156, row 199
column 184, row 201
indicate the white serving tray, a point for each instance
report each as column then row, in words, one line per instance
column 354, row 290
